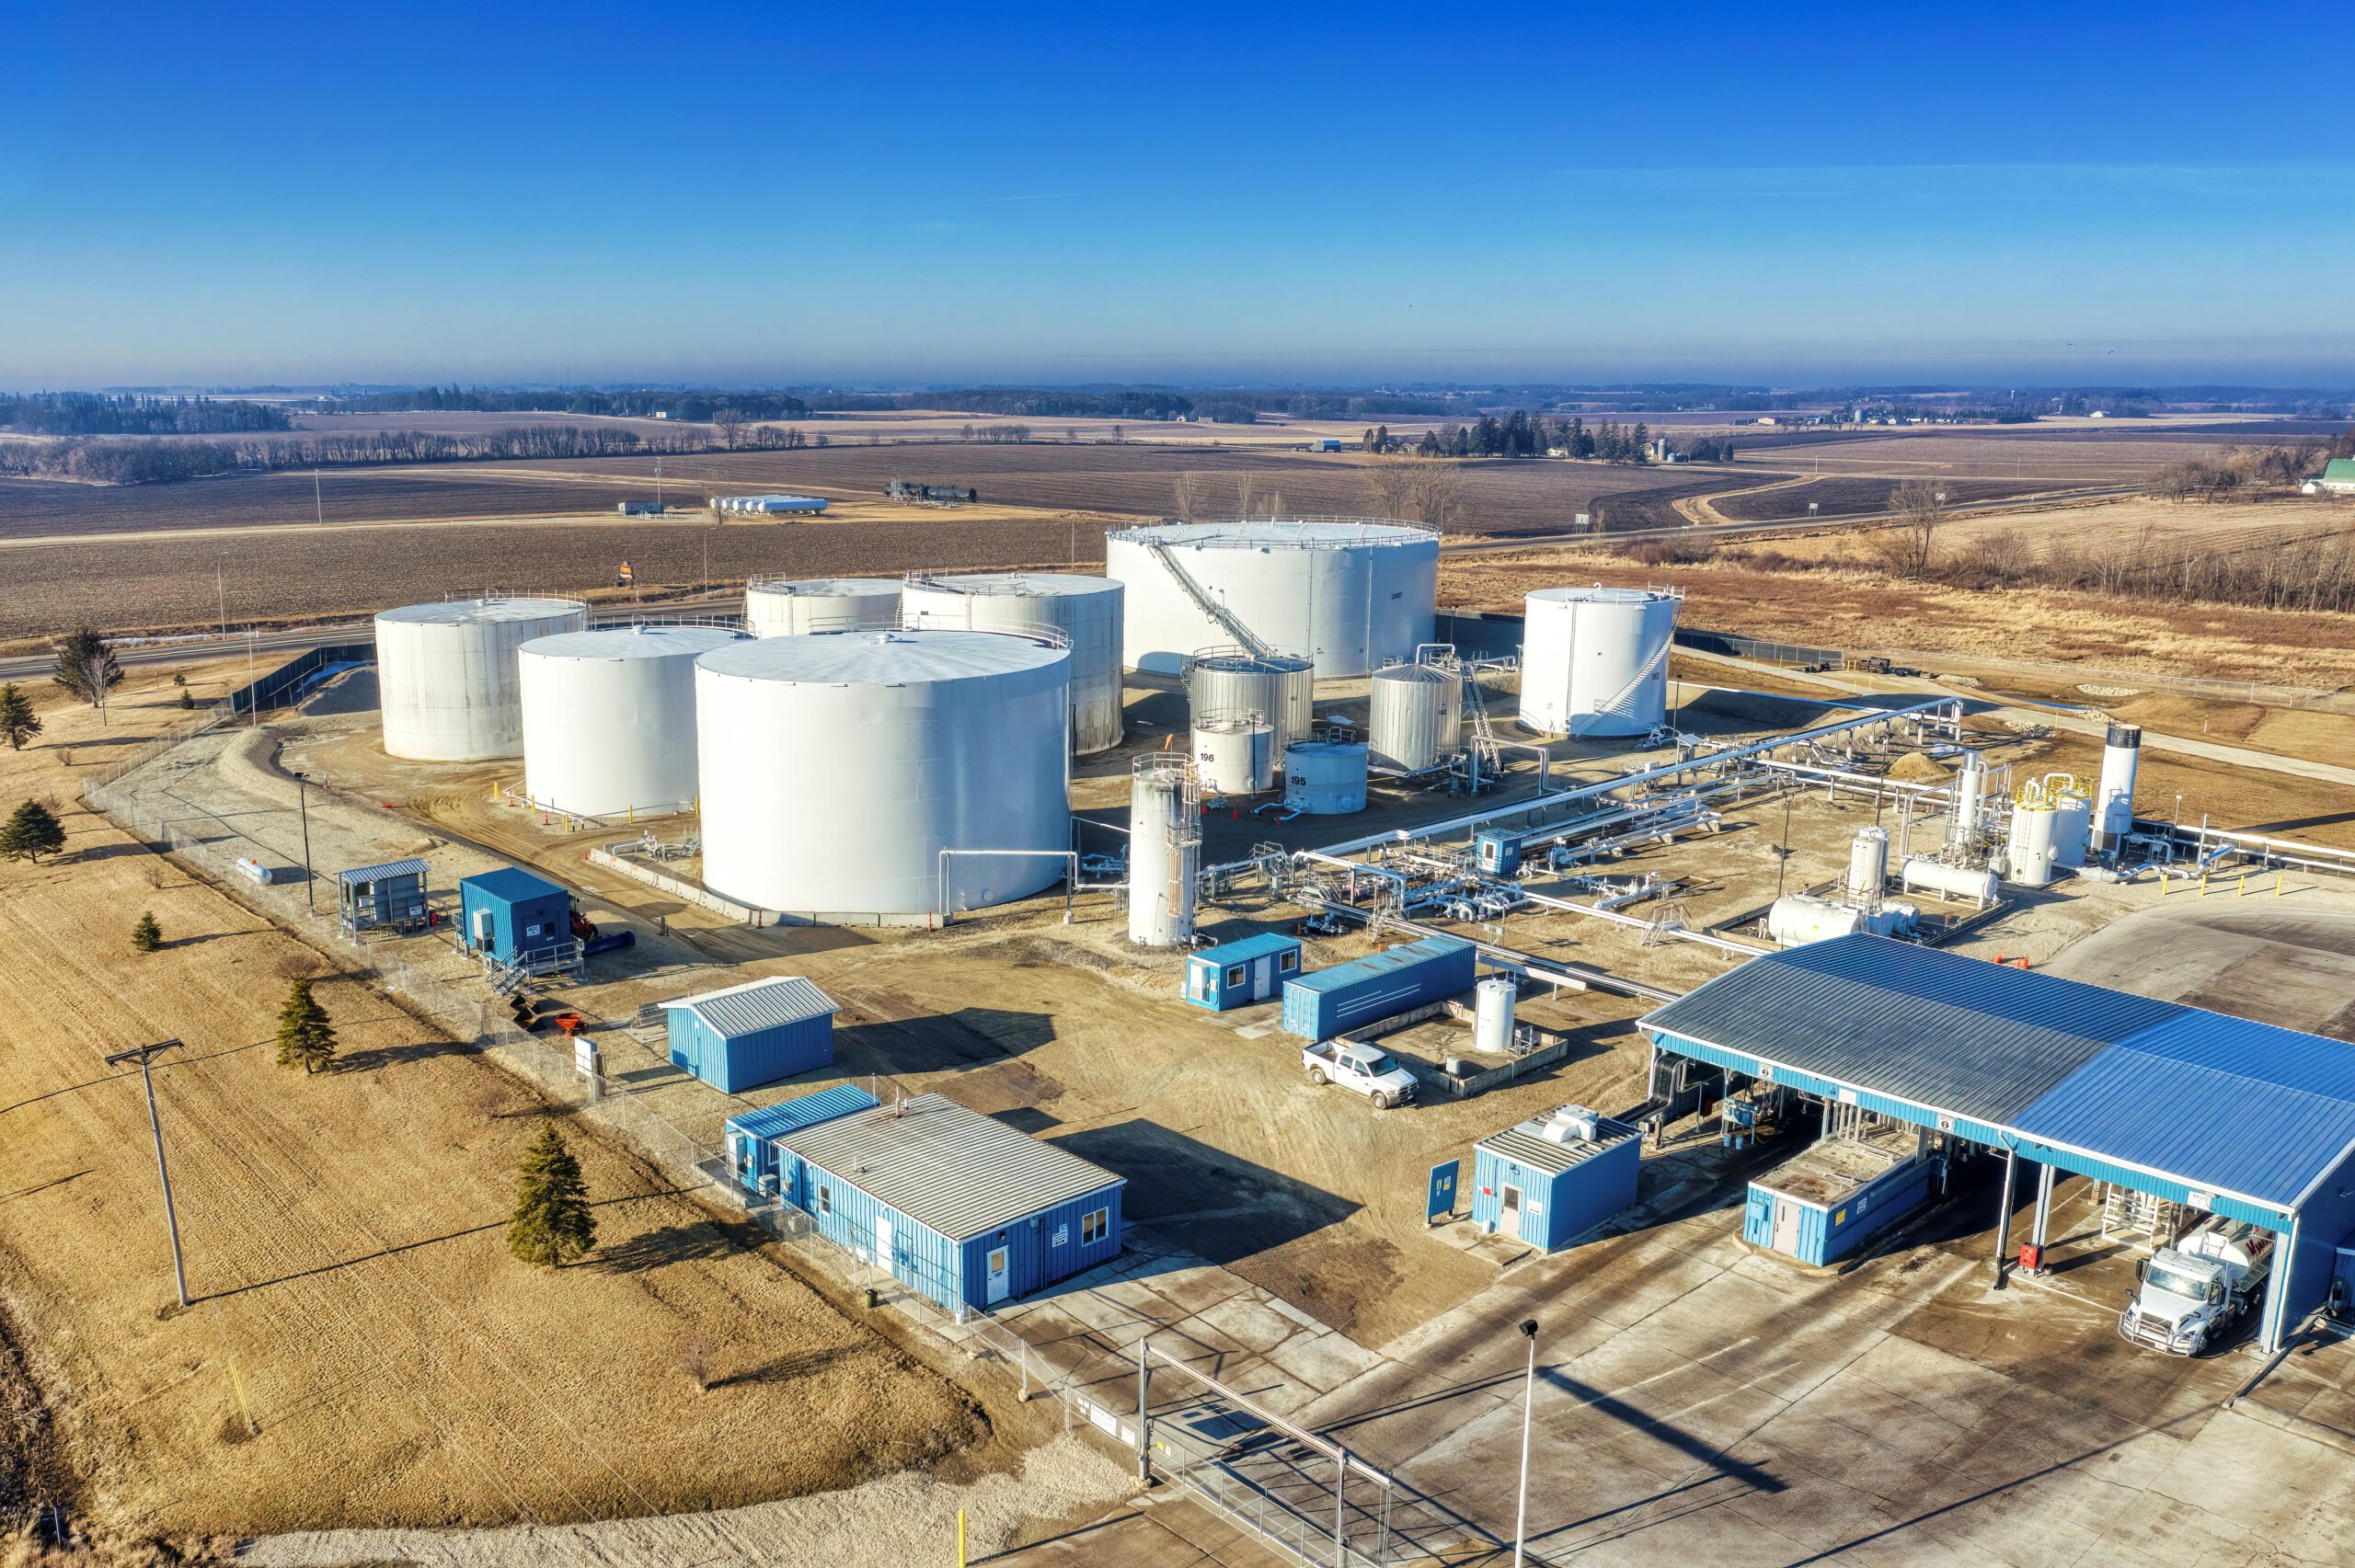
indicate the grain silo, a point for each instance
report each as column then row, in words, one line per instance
column 446, row 677
column 1594, row 660
column 1085, row 611
column 609, row 718
column 1280, row 687
column 1418, row 717
column 1348, row 595
column 836, row 769
column 785, row 607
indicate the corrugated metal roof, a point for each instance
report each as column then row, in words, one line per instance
column 951, row 1168
column 1248, row 948
column 379, row 873
column 1522, row 1145
column 1386, row 962
column 793, row 1115
column 759, row 1004
column 511, row 882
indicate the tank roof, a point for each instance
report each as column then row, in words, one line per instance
column 479, row 611
column 1598, row 594
column 1037, row 585
column 825, row 587
column 1296, row 532
column 882, row 659
column 1418, row 675
column 632, row 642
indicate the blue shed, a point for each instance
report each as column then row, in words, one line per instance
column 1550, row 1180
column 1496, row 851
column 1240, row 973
column 1832, row 1196
column 391, row 894
column 511, row 914
column 1366, row 990
column 746, row 1035
column 752, row 1138
column 955, row 1204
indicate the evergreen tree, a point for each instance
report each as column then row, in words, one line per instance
column 31, row 831
column 553, row 1223
column 17, row 720
column 305, row 1035
column 86, row 665
column 146, row 936
column 186, row 701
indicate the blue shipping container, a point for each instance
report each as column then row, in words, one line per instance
column 1240, row 973
column 746, row 1035
column 1552, row 1179
column 509, row 911
column 1366, row 990
column 1793, row 1210
column 752, row 1138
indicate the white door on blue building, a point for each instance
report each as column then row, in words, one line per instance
column 996, row 1290
column 883, row 1244
column 1263, row 974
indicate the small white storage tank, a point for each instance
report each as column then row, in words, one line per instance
column 2121, row 758
column 1418, row 717
column 785, row 607
column 1953, row 881
column 1867, row 863
column 1164, row 851
column 609, row 718
column 1348, row 594
column 1492, row 1005
column 1234, row 753
column 1324, row 778
column 1798, row 919
column 836, row 767
column 2030, row 853
column 2072, row 821
column 1594, row 660
column 447, row 678
column 1281, row 687
column 1084, row 611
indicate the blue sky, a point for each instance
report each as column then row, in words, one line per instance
column 785, row 193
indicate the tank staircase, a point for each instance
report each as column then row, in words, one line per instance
column 1206, row 601
column 1652, row 667
column 1484, row 729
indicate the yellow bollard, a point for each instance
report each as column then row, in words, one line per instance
column 960, row 1538
column 2276, row 883
column 2242, row 890
column 2203, row 883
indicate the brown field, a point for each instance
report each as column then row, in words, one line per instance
column 2047, row 457
column 2139, row 521
column 1852, row 496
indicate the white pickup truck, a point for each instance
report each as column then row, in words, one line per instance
column 2191, row 1290
column 1373, row 1073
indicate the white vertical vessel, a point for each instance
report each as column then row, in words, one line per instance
column 446, row 675
column 609, row 718
column 1165, row 850
column 1417, row 721
column 1594, row 660
column 1085, row 611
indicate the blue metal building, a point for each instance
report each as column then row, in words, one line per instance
column 1553, row 1178
column 511, row 915
column 1237, row 973
column 745, row 1036
column 1366, row 990
column 2216, row 1114
column 958, row 1205
column 752, row 1138
column 391, row 894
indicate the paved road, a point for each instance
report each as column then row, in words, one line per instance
column 1730, row 530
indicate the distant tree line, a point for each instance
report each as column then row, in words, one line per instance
column 700, row 405
column 163, row 463
column 89, row 414
column 1035, row 403
column 1360, row 405
column 2238, row 471
column 1535, row 435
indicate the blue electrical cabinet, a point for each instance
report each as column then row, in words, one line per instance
column 1237, row 973
column 1496, row 851
column 1552, row 1179
column 510, row 914
column 1367, row 990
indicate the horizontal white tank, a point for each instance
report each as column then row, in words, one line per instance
column 1324, row 778
column 1953, row 881
column 835, row 767
column 447, row 678
column 1594, row 660
column 1348, row 595
column 1417, row 717
column 1797, row 919
column 1084, row 611
column 1281, row 687
column 787, row 607
column 609, row 718
column 1234, row 753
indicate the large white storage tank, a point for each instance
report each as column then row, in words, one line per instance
column 836, row 767
column 1348, row 595
column 447, row 678
column 1594, row 660
column 788, row 607
column 1418, row 717
column 1083, row 611
column 1281, row 688
column 609, row 718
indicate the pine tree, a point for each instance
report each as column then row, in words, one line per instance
column 553, row 1223
column 31, row 831
column 186, row 701
column 86, row 665
column 17, row 720
column 305, row 1035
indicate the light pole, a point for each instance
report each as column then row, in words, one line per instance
column 1528, row 1401
column 303, row 801
column 147, row 1054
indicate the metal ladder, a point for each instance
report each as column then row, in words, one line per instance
column 1210, row 606
column 1611, row 708
column 1484, row 731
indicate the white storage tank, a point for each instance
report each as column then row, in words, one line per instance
column 1867, row 863
column 787, row 607
column 2072, row 821
column 1418, row 717
column 1797, row 919
column 1324, row 778
column 1953, row 881
column 1492, row 1005
column 447, row 678
column 2121, row 758
column 1280, row 687
column 1234, row 753
column 1084, row 611
column 1594, row 660
column 2030, row 852
column 1164, row 851
column 836, row 767
column 609, row 718
column 1348, row 595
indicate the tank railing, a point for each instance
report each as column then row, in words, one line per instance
column 1279, row 661
column 622, row 622
column 1298, row 521
column 939, row 621
column 984, row 585
column 491, row 595
column 1071, row 874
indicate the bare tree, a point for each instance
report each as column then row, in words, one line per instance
column 1387, row 486
column 729, row 421
column 1245, row 497
column 1434, row 492
column 1185, row 495
column 1911, row 544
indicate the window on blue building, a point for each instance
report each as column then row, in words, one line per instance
column 1094, row 1226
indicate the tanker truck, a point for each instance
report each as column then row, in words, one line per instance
column 2191, row 1292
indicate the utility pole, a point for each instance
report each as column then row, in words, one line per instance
column 146, row 1055
column 221, row 594
column 1528, row 1401
column 657, row 481
column 318, row 501
column 302, row 800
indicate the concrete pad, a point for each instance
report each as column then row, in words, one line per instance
column 2163, row 1531
column 1241, row 1320
column 2258, row 1477
column 1322, row 1361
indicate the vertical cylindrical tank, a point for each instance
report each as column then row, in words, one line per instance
column 1867, row 863
column 1234, row 753
column 2121, row 756
column 609, row 718
column 1083, row 611
column 1492, row 1005
column 1164, row 851
column 788, row 607
column 1417, row 719
column 446, row 676
column 1970, row 790
column 2030, row 851
column 1594, row 660
column 1347, row 593
column 2072, row 821
column 1281, row 687
column 835, row 767
column 1324, row 778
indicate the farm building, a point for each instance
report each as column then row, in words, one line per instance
column 514, row 916
column 1240, row 973
column 2207, row 1113
column 2338, row 477
column 745, row 1036
column 957, row 1205
column 392, row 894
column 1553, row 1178
column 1367, row 990
column 752, row 1138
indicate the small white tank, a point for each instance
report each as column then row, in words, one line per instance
column 1798, row 919
column 1867, row 864
column 1492, row 1005
column 1417, row 718
column 1970, row 790
column 1231, row 680
column 1164, row 851
column 1953, row 881
column 2072, row 822
column 1234, row 753
column 1324, row 778
column 2030, row 852
column 787, row 607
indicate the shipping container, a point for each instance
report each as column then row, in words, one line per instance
column 1552, row 1179
column 1366, row 990
column 745, row 1036
column 1830, row 1198
column 752, row 1138
column 1237, row 973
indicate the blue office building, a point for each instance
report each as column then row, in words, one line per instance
column 746, row 1035
column 1240, row 973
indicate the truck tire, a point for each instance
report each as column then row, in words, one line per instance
column 1381, row 1099
column 1316, row 1076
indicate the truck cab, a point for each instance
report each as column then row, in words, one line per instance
column 2191, row 1292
